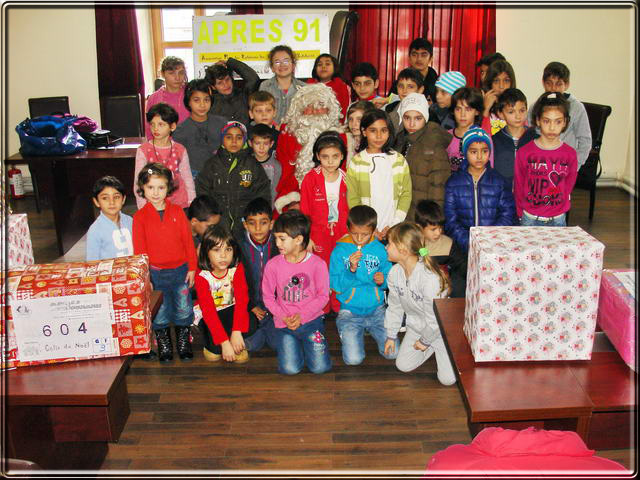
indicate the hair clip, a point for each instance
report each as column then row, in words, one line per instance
column 423, row 252
column 150, row 171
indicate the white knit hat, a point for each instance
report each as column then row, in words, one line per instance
column 414, row 101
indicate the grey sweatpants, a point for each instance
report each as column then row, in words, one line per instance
column 409, row 358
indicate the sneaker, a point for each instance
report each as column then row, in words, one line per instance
column 210, row 356
column 242, row 357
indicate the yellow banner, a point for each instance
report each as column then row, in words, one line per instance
column 213, row 57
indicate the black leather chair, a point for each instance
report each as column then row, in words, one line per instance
column 342, row 25
column 48, row 105
column 592, row 168
column 122, row 115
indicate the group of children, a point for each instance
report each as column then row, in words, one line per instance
column 366, row 238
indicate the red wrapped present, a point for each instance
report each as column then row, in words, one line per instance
column 18, row 240
column 61, row 312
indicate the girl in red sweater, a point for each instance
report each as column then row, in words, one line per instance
column 223, row 296
column 326, row 70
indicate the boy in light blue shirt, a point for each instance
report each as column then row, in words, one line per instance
column 110, row 235
column 358, row 274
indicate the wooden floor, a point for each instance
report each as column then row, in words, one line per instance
column 203, row 416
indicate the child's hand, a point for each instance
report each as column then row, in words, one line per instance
column 237, row 342
column 379, row 102
column 381, row 234
column 389, row 346
column 420, row 346
column 227, row 351
column 259, row 313
column 490, row 98
column 354, row 260
column 294, row 321
column 190, row 278
column 378, row 277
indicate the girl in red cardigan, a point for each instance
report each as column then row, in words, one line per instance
column 326, row 70
column 223, row 296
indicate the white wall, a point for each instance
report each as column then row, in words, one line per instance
column 598, row 47
column 51, row 52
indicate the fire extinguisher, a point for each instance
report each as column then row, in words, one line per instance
column 15, row 183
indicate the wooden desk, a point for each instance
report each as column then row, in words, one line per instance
column 593, row 397
column 68, row 181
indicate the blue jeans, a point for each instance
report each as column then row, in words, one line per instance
column 532, row 221
column 351, row 329
column 307, row 344
column 266, row 332
column 177, row 305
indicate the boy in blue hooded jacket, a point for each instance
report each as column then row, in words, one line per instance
column 358, row 274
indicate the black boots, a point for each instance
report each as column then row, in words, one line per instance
column 183, row 343
column 165, row 349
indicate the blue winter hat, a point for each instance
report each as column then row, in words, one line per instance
column 475, row 134
column 451, row 81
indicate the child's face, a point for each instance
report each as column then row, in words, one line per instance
column 551, row 123
column 160, row 129
column 221, row 256
column 233, row 140
column 288, row 245
column 155, row 191
column 464, row 114
column 174, row 79
column 555, row 84
column 110, row 202
column 395, row 253
column 407, row 86
column 282, row 65
column 361, row 234
column 259, row 226
column 224, row 85
column 330, row 159
column 377, row 135
column 419, row 59
column 263, row 113
column 199, row 226
column 477, row 156
column 432, row 233
column 443, row 98
column 412, row 121
column 261, row 147
column 483, row 72
column 501, row 82
column 364, row 87
column 200, row 104
column 354, row 122
column 514, row 115
column 324, row 69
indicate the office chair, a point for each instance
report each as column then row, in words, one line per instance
column 48, row 105
column 122, row 115
column 592, row 168
column 342, row 25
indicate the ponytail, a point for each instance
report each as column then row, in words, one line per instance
column 432, row 265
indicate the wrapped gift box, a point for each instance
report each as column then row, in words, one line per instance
column 532, row 293
column 18, row 241
column 60, row 312
column 617, row 312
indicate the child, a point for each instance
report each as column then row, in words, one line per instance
column 485, row 61
column 326, row 70
column 409, row 81
column 424, row 146
column 172, row 93
column 414, row 282
column 441, row 111
column 223, row 297
column 162, row 149
column 203, row 212
column 546, row 169
column 283, row 85
column 161, row 230
column 500, row 76
column 364, row 82
column 233, row 177
column 295, row 288
column 258, row 246
column 230, row 101
column 476, row 195
column 555, row 78
column 262, row 109
column 377, row 171
column 358, row 274
column 467, row 105
column 323, row 195
column 261, row 141
column 109, row 236
column 200, row 133
column 430, row 218
column 420, row 56
column 512, row 108
column 352, row 128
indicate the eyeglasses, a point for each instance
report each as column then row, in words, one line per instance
column 285, row 62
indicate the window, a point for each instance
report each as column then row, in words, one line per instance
column 171, row 29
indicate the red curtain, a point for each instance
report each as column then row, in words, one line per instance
column 460, row 36
column 251, row 8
